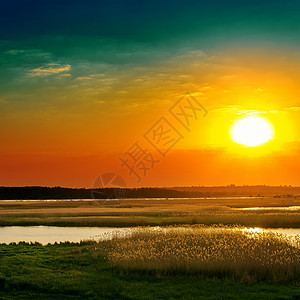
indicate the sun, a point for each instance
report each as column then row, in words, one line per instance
column 252, row 131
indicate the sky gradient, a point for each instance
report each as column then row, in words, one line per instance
column 83, row 81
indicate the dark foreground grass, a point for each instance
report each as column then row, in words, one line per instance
column 73, row 271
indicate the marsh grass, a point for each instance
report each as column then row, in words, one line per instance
column 213, row 251
column 264, row 220
column 135, row 212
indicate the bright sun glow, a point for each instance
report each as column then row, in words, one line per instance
column 251, row 131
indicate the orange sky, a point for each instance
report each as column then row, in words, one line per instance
column 71, row 147
column 72, row 104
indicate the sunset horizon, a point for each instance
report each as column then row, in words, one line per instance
column 149, row 149
column 205, row 95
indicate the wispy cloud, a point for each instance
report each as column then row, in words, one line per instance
column 29, row 53
column 237, row 110
column 293, row 108
column 91, row 77
column 49, row 69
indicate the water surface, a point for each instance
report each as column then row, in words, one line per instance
column 137, row 199
column 52, row 234
column 279, row 208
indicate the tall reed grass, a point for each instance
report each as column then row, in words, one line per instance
column 219, row 251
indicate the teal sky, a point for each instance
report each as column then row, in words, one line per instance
column 75, row 39
column 134, row 32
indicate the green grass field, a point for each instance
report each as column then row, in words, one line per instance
column 77, row 271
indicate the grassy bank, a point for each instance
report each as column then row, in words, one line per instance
column 74, row 271
column 264, row 220
column 134, row 212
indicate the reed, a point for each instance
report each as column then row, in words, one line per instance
column 217, row 251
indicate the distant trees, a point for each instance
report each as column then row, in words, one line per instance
column 39, row 192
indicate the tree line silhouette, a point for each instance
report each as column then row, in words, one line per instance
column 39, row 192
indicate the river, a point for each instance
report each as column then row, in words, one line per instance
column 52, row 234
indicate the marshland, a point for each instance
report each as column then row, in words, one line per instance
column 245, row 248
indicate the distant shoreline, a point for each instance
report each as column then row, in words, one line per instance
column 40, row 193
column 265, row 212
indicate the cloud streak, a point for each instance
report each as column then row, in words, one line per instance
column 49, row 69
